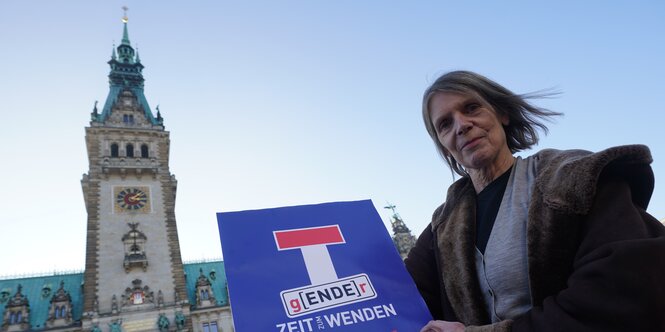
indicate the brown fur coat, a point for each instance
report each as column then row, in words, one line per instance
column 596, row 259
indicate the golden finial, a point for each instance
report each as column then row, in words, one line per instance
column 124, row 17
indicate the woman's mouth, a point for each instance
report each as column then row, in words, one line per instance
column 470, row 143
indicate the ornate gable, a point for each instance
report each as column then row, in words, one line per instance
column 205, row 297
column 60, row 312
column 17, row 312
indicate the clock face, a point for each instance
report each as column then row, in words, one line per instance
column 131, row 199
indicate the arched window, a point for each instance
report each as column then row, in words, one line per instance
column 114, row 150
column 144, row 151
column 130, row 150
column 135, row 249
column 204, row 294
column 12, row 318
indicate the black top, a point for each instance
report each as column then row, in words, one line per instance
column 488, row 202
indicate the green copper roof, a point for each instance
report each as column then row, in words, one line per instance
column 126, row 74
column 125, row 34
column 192, row 272
column 112, row 98
column 39, row 298
column 40, row 290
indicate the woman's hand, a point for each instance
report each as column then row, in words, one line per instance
column 443, row 326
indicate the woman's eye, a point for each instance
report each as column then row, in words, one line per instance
column 472, row 108
column 443, row 125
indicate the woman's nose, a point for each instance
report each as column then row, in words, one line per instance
column 463, row 125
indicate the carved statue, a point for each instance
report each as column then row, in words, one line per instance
column 163, row 323
column 94, row 114
column 175, row 295
column 127, row 297
column 149, row 295
column 114, row 303
column 95, row 304
column 160, row 298
column 115, row 326
column 96, row 328
column 179, row 320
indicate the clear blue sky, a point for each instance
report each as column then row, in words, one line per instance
column 278, row 103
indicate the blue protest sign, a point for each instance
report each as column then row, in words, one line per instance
column 309, row 268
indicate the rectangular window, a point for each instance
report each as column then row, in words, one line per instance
column 210, row 327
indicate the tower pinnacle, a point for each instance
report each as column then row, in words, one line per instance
column 125, row 34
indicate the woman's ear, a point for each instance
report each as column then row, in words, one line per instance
column 505, row 119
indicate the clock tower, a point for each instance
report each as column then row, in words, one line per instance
column 134, row 278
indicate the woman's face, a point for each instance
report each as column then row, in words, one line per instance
column 470, row 130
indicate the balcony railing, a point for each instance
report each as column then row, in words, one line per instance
column 124, row 165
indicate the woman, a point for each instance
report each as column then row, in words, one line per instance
column 557, row 241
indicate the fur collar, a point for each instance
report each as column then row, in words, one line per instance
column 568, row 179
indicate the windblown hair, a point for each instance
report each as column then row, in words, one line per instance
column 524, row 118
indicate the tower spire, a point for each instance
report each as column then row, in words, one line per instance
column 126, row 79
column 125, row 34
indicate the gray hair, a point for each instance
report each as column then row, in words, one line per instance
column 524, row 118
